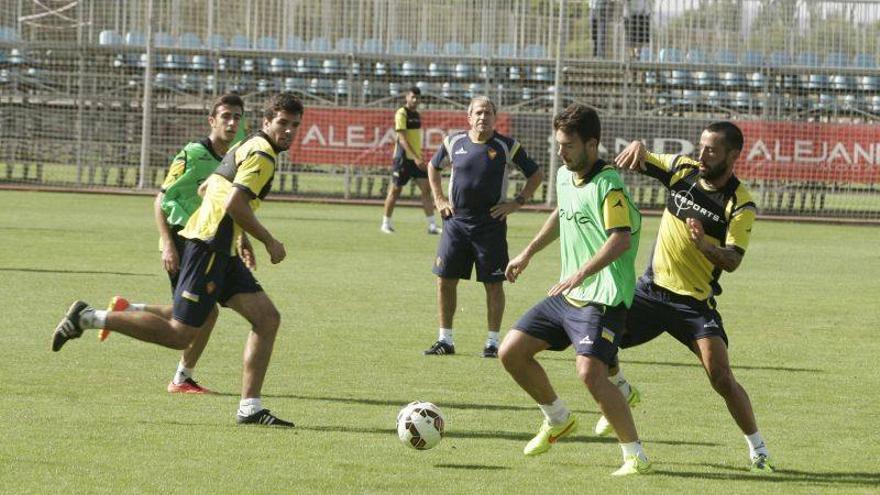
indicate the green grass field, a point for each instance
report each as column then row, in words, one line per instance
column 358, row 308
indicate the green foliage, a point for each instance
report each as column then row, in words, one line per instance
column 357, row 309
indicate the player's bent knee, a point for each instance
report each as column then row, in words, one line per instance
column 182, row 336
column 723, row 381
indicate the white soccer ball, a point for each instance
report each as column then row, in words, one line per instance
column 420, row 425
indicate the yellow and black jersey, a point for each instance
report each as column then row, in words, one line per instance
column 250, row 167
column 410, row 123
column 727, row 215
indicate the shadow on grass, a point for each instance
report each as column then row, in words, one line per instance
column 695, row 364
column 471, row 467
column 856, row 478
column 401, row 403
column 76, row 272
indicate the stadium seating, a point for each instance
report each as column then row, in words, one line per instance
column 9, row 35
column 400, row 47
column 345, row 45
column 320, row 44
column 866, row 83
column 426, row 48
column 216, row 42
column 535, row 51
column 105, row 38
column 506, row 50
column 480, row 50
column 239, row 42
column 453, row 48
column 371, row 45
column 294, row 44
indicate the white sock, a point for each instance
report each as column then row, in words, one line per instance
column 445, row 335
column 633, row 448
column 430, row 220
column 556, row 413
column 246, row 407
column 93, row 318
column 386, row 221
column 756, row 445
column 620, row 382
column 492, row 338
column 182, row 374
column 136, row 307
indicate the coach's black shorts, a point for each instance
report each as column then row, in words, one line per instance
column 593, row 330
column 656, row 310
column 469, row 241
column 179, row 244
column 208, row 277
column 403, row 169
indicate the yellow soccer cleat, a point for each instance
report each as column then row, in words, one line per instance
column 548, row 435
column 634, row 465
column 603, row 427
column 761, row 463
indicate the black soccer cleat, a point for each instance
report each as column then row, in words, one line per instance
column 69, row 327
column 490, row 351
column 264, row 418
column 440, row 348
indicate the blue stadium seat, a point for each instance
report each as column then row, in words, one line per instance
column 400, row 47
column 294, row 84
column 294, row 44
column 268, row 43
column 345, row 45
column 807, row 59
column 474, row 89
column 437, row 70
column 725, row 57
column 452, row 90
column 867, row 83
column 875, row 104
column 331, row 66
column 427, row 88
column 506, row 50
column 367, row 89
column 811, row 81
column 278, row 65
column 426, row 48
column 394, row 89
column 189, row 40
column 672, row 77
column 645, row 54
column 320, row 87
column 409, row 69
column 670, row 56
column 216, row 42
column 372, row 45
column 9, row 35
column 134, row 38
column 462, row 71
column 164, row 40
column 320, row 44
column 696, row 56
column 106, row 38
column 189, row 82
column 200, row 62
column 487, row 72
column 540, row 73
column 513, row 73
column 527, row 94
column 535, row 51
column 239, row 42
column 268, row 85
column 342, row 87
column 453, row 48
column 16, row 57
column 480, row 50
column 778, row 59
column 756, row 80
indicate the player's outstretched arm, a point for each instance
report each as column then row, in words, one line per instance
column 170, row 256
column 239, row 208
column 613, row 248
column 548, row 233
column 632, row 157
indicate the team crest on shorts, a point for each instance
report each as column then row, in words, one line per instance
column 438, row 262
column 492, row 154
column 209, row 287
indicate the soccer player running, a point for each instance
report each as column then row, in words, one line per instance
column 704, row 230
column 598, row 229
column 475, row 217
column 408, row 162
column 178, row 198
column 210, row 272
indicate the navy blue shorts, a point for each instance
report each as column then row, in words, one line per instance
column 656, row 310
column 594, row 330
column 403, row 169
column 466, row 242
column 180, row 244
column 206, row 278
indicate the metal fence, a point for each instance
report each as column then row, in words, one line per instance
column 800, row 77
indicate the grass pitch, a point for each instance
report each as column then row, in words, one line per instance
column 358, row 307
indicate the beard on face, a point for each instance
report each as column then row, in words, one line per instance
column 712, row 172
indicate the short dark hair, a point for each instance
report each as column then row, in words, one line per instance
column 282, row 101
column 579, row 119
column 227, row 100
column 414, row 90
column 733, row 136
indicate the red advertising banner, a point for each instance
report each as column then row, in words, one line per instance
column 810, row 151
column 365, row 137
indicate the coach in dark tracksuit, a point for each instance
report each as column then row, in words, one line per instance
column 475, row 216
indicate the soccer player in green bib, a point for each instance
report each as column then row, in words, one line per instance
column 598, row 229
column 178, row 198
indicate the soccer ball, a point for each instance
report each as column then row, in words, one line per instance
column 420, row 425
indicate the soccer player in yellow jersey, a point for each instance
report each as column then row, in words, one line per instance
column 408, row 162
column 705, row 230
column 210, row 271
